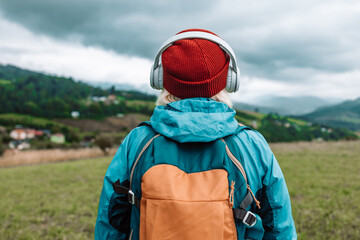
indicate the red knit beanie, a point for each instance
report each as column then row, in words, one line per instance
column 194, row 67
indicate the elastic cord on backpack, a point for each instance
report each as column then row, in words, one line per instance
column 256, row 201
column 231, row 197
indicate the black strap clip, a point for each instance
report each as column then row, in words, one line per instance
column 131, row 196
column 120, row 189
column 247, row 217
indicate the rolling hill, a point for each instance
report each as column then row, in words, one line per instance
column 49, row 96
column 345, row 114
column 45, row 97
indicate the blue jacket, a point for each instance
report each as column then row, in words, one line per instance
column 205, row 120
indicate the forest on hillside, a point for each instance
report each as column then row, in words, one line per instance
column 82, row 112
column 47, row 96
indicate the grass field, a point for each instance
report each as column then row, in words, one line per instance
column 59, row 200
column 324, row 184
column 51, row 201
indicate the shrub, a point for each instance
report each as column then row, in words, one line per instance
column 104, row 143
column 2, row 147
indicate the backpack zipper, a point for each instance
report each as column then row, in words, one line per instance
column 231, row 195
column 241, row 168
column 131, row 233
column 235, row 161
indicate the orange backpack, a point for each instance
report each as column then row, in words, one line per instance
column 188, row 191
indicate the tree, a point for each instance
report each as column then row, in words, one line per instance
column 95, row 110
column 104, row 143
column 31, row 108
column 2, row 147
column 112, row 90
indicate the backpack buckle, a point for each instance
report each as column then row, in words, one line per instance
column 249, row 219
column 131, row 197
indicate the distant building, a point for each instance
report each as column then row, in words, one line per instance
column 57, row 138
column 254, row 124
column 18, row 134
column 46, row 132
column 111, row 97
column 98, row 99
column 95, row 99
column 23, row 134
column 19, row 144
column 75, row 114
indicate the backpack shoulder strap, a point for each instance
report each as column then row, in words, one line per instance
column 234, row 153
column 247, row 217
column 231, row 148
column 144, row 123
column 140, row 154
column 241, row 127
column 145, row 142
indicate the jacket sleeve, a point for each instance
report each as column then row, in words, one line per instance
column 275, row 212
column 118, row 169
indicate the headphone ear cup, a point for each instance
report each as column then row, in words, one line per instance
column 160, row 77
column 152, row 84
column 228, row 80
column 156, row 77
column 237, row 80
column 232, row 80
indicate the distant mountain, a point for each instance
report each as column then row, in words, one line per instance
column 292, row 105
column 255, row 108
column 345, row 114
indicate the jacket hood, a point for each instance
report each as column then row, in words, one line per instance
column 194, row 120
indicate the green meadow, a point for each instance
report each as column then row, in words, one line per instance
column 59, row 200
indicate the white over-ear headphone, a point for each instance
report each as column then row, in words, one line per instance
column 233, row 76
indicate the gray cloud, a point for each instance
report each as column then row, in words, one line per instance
column 130, row 27
column 279, row 39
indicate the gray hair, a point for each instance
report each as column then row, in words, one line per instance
column 165, row 97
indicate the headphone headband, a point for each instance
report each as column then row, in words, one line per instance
column 202, row 35
column 233, row 74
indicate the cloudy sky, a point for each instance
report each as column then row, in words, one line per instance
column 285, row 48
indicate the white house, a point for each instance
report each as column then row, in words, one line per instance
column 75, row 114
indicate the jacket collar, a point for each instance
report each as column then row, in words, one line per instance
column 194, row 120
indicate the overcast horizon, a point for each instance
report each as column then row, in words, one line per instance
column 307, row 48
